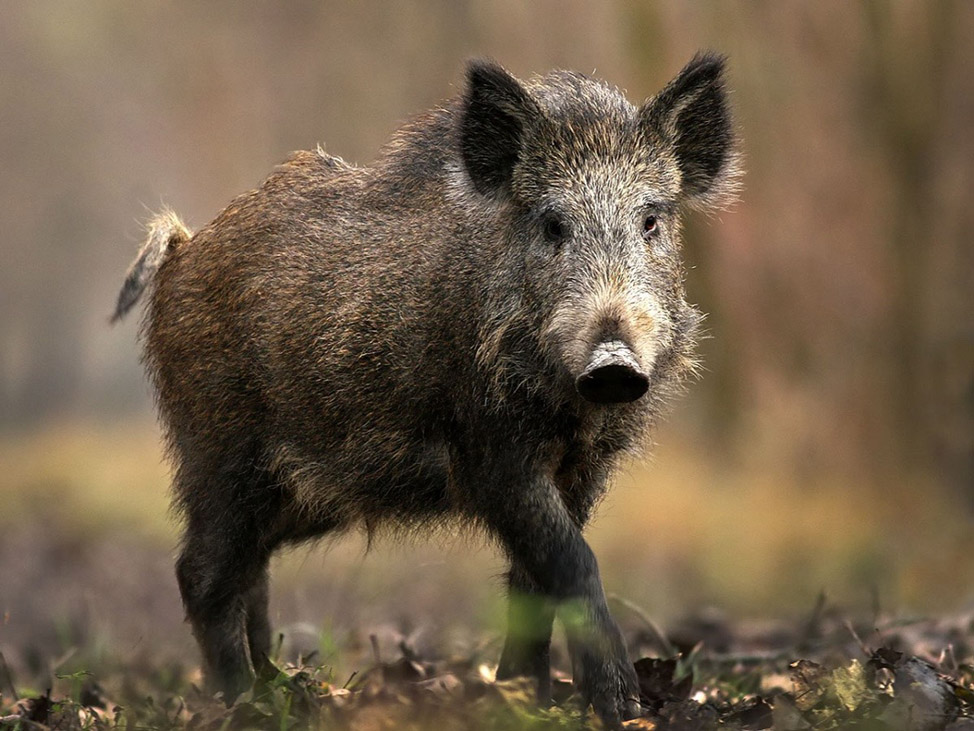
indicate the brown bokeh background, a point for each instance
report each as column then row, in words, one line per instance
column 828, row 446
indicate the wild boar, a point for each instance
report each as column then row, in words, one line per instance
column 476, row 327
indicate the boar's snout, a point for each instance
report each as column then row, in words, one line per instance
column 612, row 376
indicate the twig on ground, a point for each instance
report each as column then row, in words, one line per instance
column 654, row 630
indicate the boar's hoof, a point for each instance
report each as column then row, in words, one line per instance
column 612, row 376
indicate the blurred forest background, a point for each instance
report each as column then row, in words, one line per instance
column 829, row 445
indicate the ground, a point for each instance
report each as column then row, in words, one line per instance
column 827, row 672
column 407, row 634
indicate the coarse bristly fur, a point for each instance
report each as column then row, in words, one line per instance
column 408, row 342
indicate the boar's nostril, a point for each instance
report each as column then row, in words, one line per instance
column 612, row 376
column 612, row 384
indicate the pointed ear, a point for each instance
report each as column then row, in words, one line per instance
column 692, row 114
column 497, row 110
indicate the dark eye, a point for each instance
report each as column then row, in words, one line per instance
column 554, row 229
column 650, row 225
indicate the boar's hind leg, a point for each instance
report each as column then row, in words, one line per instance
column 258, row 622
column 222, row 574
column 530, row 615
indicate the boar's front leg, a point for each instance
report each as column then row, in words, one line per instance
column 530, row 614
column 525, row 511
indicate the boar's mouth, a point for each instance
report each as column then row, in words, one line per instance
column 612, row 376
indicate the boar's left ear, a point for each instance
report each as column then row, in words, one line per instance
column 692, row 114
column 496, row 112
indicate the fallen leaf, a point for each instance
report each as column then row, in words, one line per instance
column 640, row 724
column 809, row 680
column 753, row 714
column 850, row 685
column 656, row 682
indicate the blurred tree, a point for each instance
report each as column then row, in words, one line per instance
column 839, row 291
column 916, row 108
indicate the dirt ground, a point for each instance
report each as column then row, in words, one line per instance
column 92, row 637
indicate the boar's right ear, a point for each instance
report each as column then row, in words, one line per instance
column 496, row 112
column 692, row 115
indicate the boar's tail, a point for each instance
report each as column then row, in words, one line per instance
column 165, row 231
